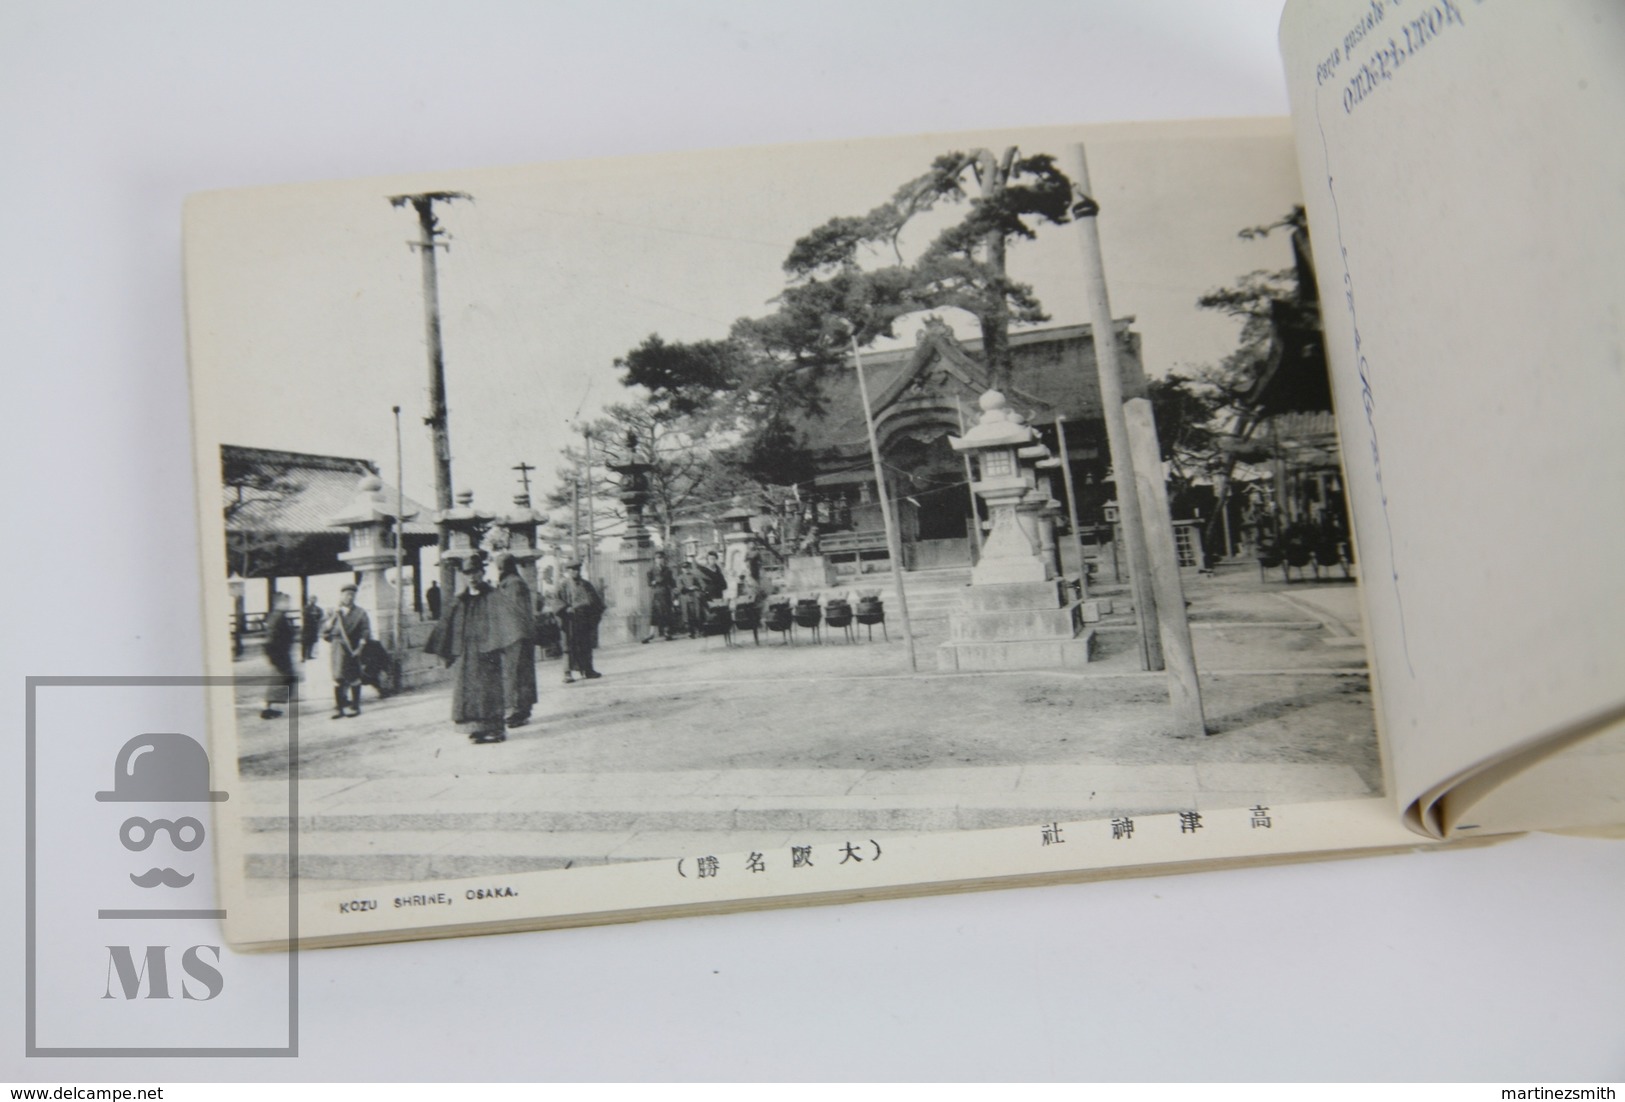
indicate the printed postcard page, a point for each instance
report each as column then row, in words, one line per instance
column 739, row 711
column 1462, row 171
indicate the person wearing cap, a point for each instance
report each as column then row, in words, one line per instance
column 691, row 596
column 347, row 631
column 581, row 607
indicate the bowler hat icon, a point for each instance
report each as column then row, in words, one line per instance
column 161, row 768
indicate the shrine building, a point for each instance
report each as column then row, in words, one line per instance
column 923, row 395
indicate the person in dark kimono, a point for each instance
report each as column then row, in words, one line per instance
column 347, row 632
column 712, row 580
column 470, row 640
column 279, row 636
column 515, row 617
column 310, row 629
column 662, row 592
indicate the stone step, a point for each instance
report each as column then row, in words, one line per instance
column 553, row 821
column 366, row 855
column 898, row 812
column 1018, row 654
column 932, row 594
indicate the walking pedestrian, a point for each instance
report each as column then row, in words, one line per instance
column 347, row 632
column 279, row 635
column 431, row 597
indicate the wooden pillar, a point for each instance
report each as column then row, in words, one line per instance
column 970, row 478
column 1072, row 505
column 1104, row 332
column 417, row 580
column 1184, row 690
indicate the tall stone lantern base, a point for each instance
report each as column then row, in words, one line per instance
column 626, row 597
column 371, row 526
column 1016, row 614
column 1016, row 626
column 626, row 619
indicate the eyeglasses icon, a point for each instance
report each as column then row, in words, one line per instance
column 137, row 833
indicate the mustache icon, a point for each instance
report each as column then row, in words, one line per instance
column 167, row 877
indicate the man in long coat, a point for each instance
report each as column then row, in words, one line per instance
column 515, row 619
column 580, row 608
column 347, row 631
column 471, row 640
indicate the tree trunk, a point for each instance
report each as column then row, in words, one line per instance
column 995, row 316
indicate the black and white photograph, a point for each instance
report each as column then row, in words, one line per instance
column 761, row 507
column 1067, row 541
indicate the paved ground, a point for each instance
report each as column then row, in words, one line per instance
column 691, row 746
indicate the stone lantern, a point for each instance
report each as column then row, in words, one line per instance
column 519, row 529
column 628, row 598
column 737, row 541
column 1011, row 551
column 1016, row 613
column 371, row 522
column 464, row 526
column 634, row 494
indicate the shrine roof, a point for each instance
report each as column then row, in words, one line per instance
column 298, row 494
column 1054, row 373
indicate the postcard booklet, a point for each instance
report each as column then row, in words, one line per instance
column 597, row 541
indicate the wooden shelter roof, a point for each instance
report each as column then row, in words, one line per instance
column 279, row 506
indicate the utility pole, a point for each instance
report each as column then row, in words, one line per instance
column 524, row 470
column 1111, row 401
column 575, row 518
column 1141, row 497
column 592, row 513
column 429, row 240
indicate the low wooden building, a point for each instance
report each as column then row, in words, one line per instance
column 920, row 397
column 278, row 508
